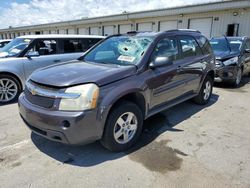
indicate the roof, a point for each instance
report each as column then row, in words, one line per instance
column 6, row 40
column 61, row 36
column 231, row 38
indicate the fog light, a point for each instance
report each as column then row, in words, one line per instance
column 66, row 124
column 230, row 74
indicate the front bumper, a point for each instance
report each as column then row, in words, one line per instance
column 226, row 73
column 65, row 127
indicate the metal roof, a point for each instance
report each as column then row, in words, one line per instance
column 195, row 8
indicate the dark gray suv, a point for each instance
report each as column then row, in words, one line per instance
column 108, row 93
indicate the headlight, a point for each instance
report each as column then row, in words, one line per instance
column 86, row 100
column 231, row 61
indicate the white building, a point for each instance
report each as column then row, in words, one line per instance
column 230, row 18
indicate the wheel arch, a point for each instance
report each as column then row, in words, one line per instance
column 14, row 76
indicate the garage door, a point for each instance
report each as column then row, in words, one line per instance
column 145, row 26
column 168, row 25
column 62, row 31
column 94, row 30
column 83, row 31
column 108, row 30
column 125, row 28
column 71, row 31
column 204, row 25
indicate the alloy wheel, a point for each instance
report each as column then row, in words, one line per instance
column 207, row 90
column 8, row 90
column 125, row 128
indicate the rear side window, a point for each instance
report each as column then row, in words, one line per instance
column 71, row 46
column 205, row 45
column 77, row 45
column 189, row 46
column 88, row 43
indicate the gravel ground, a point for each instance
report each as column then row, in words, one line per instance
column 185, row 146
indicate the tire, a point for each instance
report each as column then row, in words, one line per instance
column 205, row 92
column 237, row 80
column 10, row 89
column 116, row 125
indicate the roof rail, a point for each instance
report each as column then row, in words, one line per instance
column 184, row 30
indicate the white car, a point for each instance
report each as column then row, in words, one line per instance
column 25, row 54
column 4, row 42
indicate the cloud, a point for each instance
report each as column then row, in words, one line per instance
column 46, row 11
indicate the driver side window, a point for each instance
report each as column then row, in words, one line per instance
column 44, row 47
column 166, row 47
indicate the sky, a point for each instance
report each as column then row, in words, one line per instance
column 30, row 12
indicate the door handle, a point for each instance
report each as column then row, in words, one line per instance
column 57, row 61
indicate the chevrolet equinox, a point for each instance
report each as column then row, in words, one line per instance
column 108, row 92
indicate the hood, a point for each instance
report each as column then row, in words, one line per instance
column 79, row 72
column 224, row 55
column 3, row 54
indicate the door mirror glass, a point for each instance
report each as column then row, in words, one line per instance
column 247, row 50
column 160, row 62
column 32, row 54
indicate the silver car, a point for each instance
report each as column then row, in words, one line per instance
column 4, row 42
column 25, row 54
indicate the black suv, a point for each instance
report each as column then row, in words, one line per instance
column 123, row 80
column 232, row 58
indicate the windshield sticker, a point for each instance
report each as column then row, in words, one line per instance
column 235, row 42
column 27, row 40
column 126, row 58
column 212, row 42
column 15, row 50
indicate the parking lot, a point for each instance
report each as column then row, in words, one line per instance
column 186, row 146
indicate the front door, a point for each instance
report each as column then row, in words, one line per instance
column 46, row 55
column 165, row 83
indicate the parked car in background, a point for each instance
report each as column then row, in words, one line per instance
column 232, row 58
column 110, row 90
column 25, row 54
column 4, row 42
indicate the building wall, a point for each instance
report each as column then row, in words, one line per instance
column 220, row 21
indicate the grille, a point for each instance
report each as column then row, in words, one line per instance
column 44, row 102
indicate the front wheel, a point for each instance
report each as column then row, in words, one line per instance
column 238, row 78
column 205, row 92
column 9, row 89
column 123, row 127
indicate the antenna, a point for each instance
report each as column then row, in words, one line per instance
column 228, row 44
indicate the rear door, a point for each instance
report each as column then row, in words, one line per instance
column 192, row 65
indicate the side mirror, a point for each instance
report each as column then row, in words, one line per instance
column 247, row 50
column 31, row 54
column 160, row 62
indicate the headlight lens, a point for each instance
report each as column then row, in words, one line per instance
column 231, row 61
column 88, row 95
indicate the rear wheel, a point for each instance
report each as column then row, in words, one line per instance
column 10, row 89
column 123, row 127
column 205, row 92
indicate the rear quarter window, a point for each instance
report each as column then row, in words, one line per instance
column 205, row 45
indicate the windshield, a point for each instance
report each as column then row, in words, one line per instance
column 120, row 50
column 221, row 45
column 15, row 47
